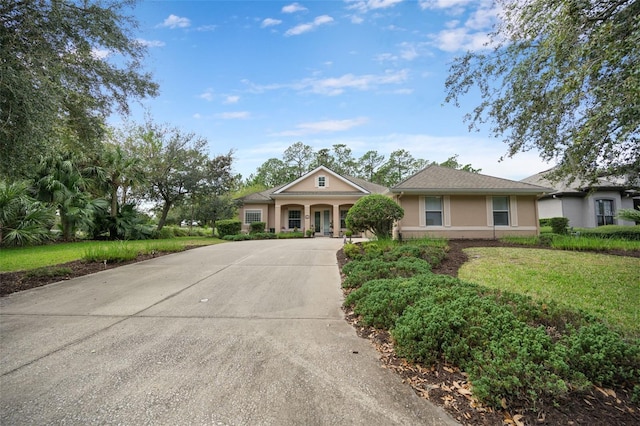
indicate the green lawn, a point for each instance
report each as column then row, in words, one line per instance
column 605, row 285
column 27, row 258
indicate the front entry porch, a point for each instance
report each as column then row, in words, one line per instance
column 326, row 220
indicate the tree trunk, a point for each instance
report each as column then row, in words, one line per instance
column 163, row 217
column 113, row 229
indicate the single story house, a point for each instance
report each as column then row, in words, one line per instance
column 444, row 202
column 318, row 200
column 586, row 206
column 438, row 201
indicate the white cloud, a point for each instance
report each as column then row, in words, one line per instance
column 326, row 126
column 332, row 86
column 408, row 51
column 364, row 6
column 204, row 28
column 461, row 39
column 270, row 22
column 174, row 21
column 337, row 85
column 234, row 115
column 473, row 34
column 207, row 95
column 443, row 4
column 150, row 43
column 231, row 99
column 309, row 26
column 293, row 8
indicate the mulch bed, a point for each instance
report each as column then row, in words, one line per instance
column 448, row 387
column 10, row 282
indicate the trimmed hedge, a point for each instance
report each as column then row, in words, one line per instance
column 613, row 231
column 228, row 227
column 257, row 227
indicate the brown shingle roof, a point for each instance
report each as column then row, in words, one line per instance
column 438, row 179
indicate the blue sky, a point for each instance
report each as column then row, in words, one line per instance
column 258, row 76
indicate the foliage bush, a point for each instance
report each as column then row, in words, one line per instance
column 245, row 237
column 559, row 225
column 23, row 219
column 352, row 251
column 228, row 227
column 545, row 222
column 602, row 355
column 381, row 302
column 514, row 348
column 630, row 214
column 360, row 271
column 287, row 235
column 613, row 231
column 504, row 357
column 375, row 213
column 163, row 234
column 257, row 227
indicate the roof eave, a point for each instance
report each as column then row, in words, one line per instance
column 474, row 191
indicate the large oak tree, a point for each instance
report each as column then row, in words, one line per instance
column 64, row 66
column 563, row 78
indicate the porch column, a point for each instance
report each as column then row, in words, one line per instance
column 278, row 219
column 307, row 217
column 336, row 220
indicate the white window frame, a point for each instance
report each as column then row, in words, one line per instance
column 427, row 211
column 252, row 211
column 507, row 211
column 290, row 219
column 325, row 182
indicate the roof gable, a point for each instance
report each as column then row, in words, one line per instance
column 307, row 182
column 438, row 179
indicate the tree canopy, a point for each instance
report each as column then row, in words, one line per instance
column 299, row 159
column 57, row 79
column 177, row 167
column 562, row 78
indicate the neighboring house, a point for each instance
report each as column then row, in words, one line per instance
column 445, row 202
column 318, row 200
column 438, row 201
column 586, row 206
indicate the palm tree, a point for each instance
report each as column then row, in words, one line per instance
column 62, row 184
column 119, row 171
column 23, row 220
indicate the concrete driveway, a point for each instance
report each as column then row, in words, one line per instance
column 247, row 333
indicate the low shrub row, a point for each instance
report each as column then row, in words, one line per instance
column 176, row 231
column 613, row 231
column 262, row 236
column 514, row 348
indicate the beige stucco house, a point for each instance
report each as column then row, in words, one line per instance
column 437, row 201
column 318, row 200
column 445, row 202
